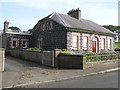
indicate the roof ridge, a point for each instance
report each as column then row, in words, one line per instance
column 62, row 19
column 52, row 14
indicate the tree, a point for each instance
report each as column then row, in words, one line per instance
column 14, row 28
column 111, row 27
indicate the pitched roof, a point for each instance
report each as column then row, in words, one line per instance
column 83, row 24
column 20, row 33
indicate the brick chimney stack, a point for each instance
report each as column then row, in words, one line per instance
column 6, row 24
column 76, row 13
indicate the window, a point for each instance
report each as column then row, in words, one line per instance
column 14, row 44
column 47, row 25
column 51, row 25
column 109, row 44
column 24, row 43
column 85, row 43
column 75, row 42
column 103, row 43
column 43, row 27
column 40, row 44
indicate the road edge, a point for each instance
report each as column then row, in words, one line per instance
column 55, row 80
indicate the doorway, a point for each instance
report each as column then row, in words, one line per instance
column 95, row 45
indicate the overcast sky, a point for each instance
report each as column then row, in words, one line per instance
column 26, row 13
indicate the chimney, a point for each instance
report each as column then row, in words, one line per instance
column 6, row 26
column 76, row 13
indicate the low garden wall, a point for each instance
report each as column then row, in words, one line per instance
column 44, row 58
column 57, row 59
column 70, row 61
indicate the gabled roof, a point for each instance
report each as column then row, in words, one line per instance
column 83, row 24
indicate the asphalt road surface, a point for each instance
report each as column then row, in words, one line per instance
column 107, row 80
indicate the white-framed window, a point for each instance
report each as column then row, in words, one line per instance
column 103, row 43
column 85, row 42
column 24, row 44
column 14, row 42
column 75, row 41
column 109, row 44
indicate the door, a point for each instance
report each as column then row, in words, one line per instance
column 94, row 46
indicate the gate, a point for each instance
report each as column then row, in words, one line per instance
column 48, row 58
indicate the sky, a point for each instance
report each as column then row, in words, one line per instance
column 119, row 13
column 26, row 13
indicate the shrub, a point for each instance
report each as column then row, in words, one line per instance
column 104, row 55
column 117, row 45
column 64, row 51
column 34, row 49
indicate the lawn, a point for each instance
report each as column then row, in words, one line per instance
column 117, row 45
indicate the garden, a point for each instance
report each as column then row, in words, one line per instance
column 103, row 56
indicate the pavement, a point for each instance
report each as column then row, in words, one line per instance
column 31, row 73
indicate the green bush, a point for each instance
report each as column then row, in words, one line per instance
column 34, row 49
column 64, row 51
column 104, row 55
column 117, row 45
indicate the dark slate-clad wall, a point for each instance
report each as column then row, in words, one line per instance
column 56, row 38
column 33, row 39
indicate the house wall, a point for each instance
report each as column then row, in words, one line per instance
column 7, row 40
column 51, row 39
column 90, row 38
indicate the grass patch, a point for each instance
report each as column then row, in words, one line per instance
column 64, row 51
column 34, row 49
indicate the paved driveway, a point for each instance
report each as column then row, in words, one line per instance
column 18, row 71
column 17, row 65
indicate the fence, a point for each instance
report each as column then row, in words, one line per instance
column 2, row 59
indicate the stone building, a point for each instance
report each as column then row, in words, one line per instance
column 71, row 32
column 61, row 31
column 14, row 39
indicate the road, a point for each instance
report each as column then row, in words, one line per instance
column 107, row 80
